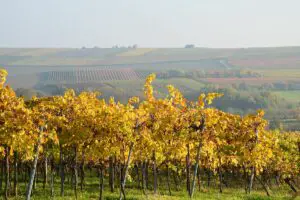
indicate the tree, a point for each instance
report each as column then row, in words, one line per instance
column 189, row 46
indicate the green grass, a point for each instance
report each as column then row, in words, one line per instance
column 234, row 191
column 91, row 191
column 293, row 96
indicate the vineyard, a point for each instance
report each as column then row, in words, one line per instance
column 145, row 145
column 85, row 75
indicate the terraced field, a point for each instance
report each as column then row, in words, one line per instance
column 85, row 75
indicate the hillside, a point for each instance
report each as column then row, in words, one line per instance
column 273, row 64
column 252, row 78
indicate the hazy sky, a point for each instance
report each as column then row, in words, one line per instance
column 149, row 23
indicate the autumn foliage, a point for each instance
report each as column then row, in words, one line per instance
column 169, row 133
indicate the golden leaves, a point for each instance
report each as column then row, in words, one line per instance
column 164, row 126
column 211, row 96
column 201, row 100
column 133, row 100
column 176, row 96
column 3, row 74
column 148, row 89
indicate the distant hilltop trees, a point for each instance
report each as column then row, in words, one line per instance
column 188, row 46
column 129, row 47
column 134, row 46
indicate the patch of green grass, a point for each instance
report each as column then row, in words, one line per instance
column 91, row 191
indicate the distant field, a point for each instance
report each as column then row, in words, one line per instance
column 85, row 75
column 129, row 87
column 181, row 83
column 54, row 61
column 281, row 73
column 252, row 57
column 35, row 52
column 136, row 52
column 266, row 62
column 251, row 81
column 293, row 96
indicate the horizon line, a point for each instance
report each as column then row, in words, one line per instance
column 143, row 47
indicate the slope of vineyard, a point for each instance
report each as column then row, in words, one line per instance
column 86, row 75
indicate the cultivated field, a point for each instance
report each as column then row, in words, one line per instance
column 86, row 75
